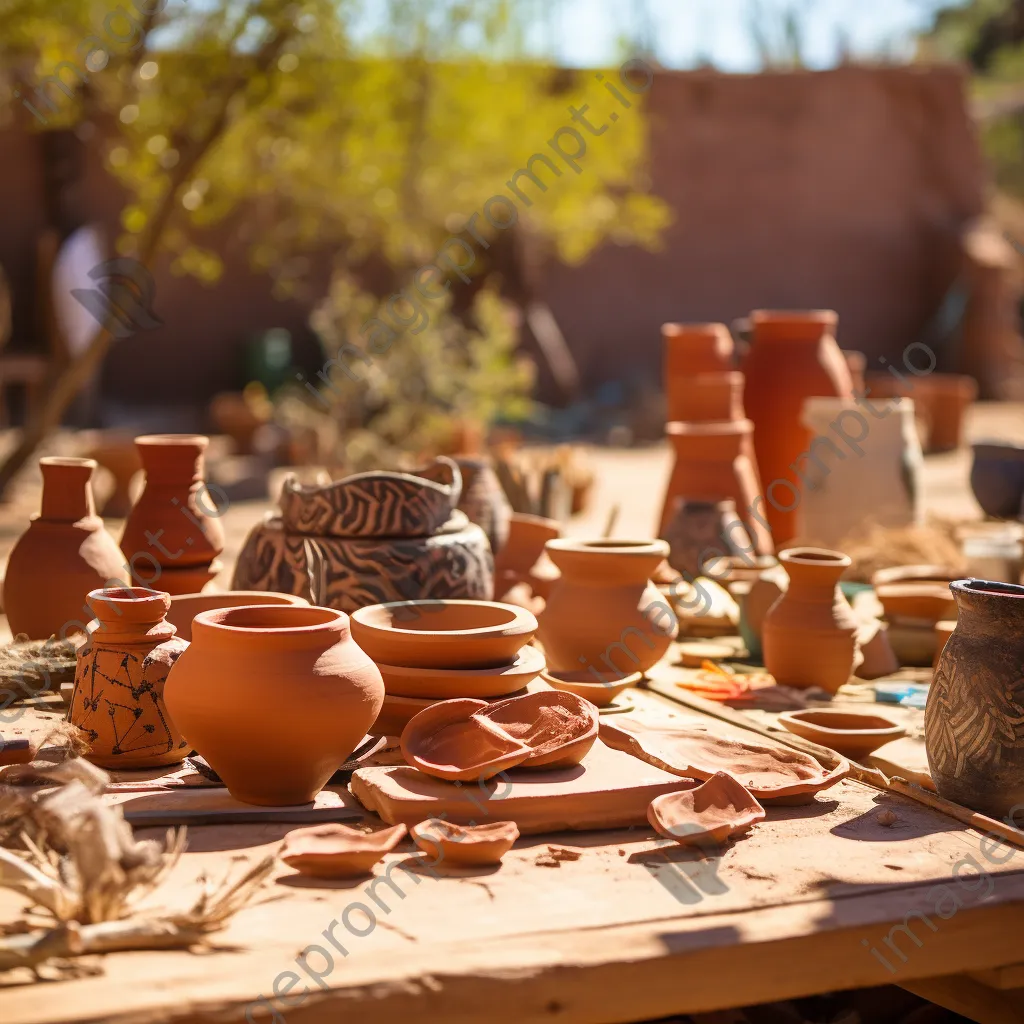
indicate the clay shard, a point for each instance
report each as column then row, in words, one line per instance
column 559, row 728
column 768, row 772
column 337, row 851
column 710, row 814
column 464, row 845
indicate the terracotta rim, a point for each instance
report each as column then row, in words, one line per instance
column 254, row 619
column 169, row 440
column 127, row 595
column 586, row 679
column 675, row 329
column 802, row 719
column 987, row 588
column 824, row 317
column 67, row 460
column 529, row 659
column 642, row 548
column 517, row 620
column 815, row 556
column 291, row 481
column 723, row 428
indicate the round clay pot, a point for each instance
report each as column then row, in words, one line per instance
column 706, row 397
column 713, row 463
column 810, row 634
column 483, row 500
column 185, row 607
column 119, row 695
column 174, row 522
column 604, row 610
column 972, row 722
column 275, row 698
column 524, row 547
column 700, row 531
column 63, row 555
column 849, row 733
column 794, row 356
column 997, row 479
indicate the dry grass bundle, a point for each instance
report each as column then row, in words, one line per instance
column 31, row 667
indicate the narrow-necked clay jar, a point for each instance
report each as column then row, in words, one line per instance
column 604, row 610
column 974, row 719
column 810, row 634
column 484, row 501
column 63, row 555
column 275, row 698
column 794, row 356
column 118, row 700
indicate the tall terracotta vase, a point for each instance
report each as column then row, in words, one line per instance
column 484, row 501
column 604, row 615
column 692, row 349
column 174, row 526
column 794, row 356
column 63, row 555
column 809, row 637
column 713, row 464
column 974, row 719
column 275, row 698
column 118, row 700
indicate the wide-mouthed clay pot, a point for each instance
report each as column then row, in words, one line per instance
column 974, row 719
column 337, row 851
column 464, row 845
column 443, row 634
column 274, row 697
column 449, row 683
column 700, row 532
column 706, row 398
column 926, row 601
column 119, row 700
column 850, row 733
column 185, row 607
column 692, row 349
column 997, row 479
column 809, row 636
column 558, row 727
column 590, row 686
column 793, row 356
column 484, row 501
column 63, row 555
column 604, row 610
column 707, row 815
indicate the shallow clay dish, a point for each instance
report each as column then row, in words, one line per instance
column 185, row 607
column 850, row 733
column 464, row 845
column 769, row 772
column 449, row 683
column 443, row 634
column 336, row 851
column 925, row 600
column 914, row 574
column 711, row 813
column 559, row 728
column 585, row 685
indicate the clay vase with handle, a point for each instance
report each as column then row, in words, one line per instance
column 174, row 526
column 63, row 555
column 274, row 697
column 794, row 356
column 974, row 718
column 604, row 615
column 809, row 637
column 118, row 700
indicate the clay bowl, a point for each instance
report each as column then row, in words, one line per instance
column 849, row 733
column 558, row 727
column 449, row 683
column 923, row 601
column 585, row 685
column 336, row 851
column 708, row 814
column 915, row 574
column 464, row 845
column 185, row 607
column 443, row 634
column 997, row 479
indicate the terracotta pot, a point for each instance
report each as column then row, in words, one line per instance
column 794, row 356
column 185, row 607
column 922, row 601
column 275, row 698
column 119, row 695
column 973, row 719
column 174, row 522
column 691, row 349
column 941, row 401
column 63, row 555
column 604, row 611
column 706, row 398
column 701, row 531
column 810, row 633
column 523, row 549
column 483, row 500
column 997, row 479
column 713, row 463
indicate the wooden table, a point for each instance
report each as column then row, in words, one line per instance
column 817, row 898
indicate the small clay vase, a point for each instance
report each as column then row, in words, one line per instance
column 174, row 524
column 692, row 349
column 604, row 611
column 794, row 356
column 974, row 718
column 810, row 634
column 483, row 500
column 274, row 697
column 63, row 555
column 118, row 700
column 706, row 398
column 701, row 531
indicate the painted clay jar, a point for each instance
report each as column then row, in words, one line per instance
column 713, row 463
column 275, row 698
column 706, row 398
column 484, row 501
column 63, row 555
column 809, row 636
column 974, row 718
column 702, row 531
column 174, row 525
column 997, row 479
column 185, row 607
column 794, row 356
column 604, row 611
column 692, row 349
column 119, row 697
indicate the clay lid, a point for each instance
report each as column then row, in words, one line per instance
column 337, row 851
column 707, row 814
column 464, row 845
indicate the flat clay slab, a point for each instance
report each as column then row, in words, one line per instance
column 609, row 789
